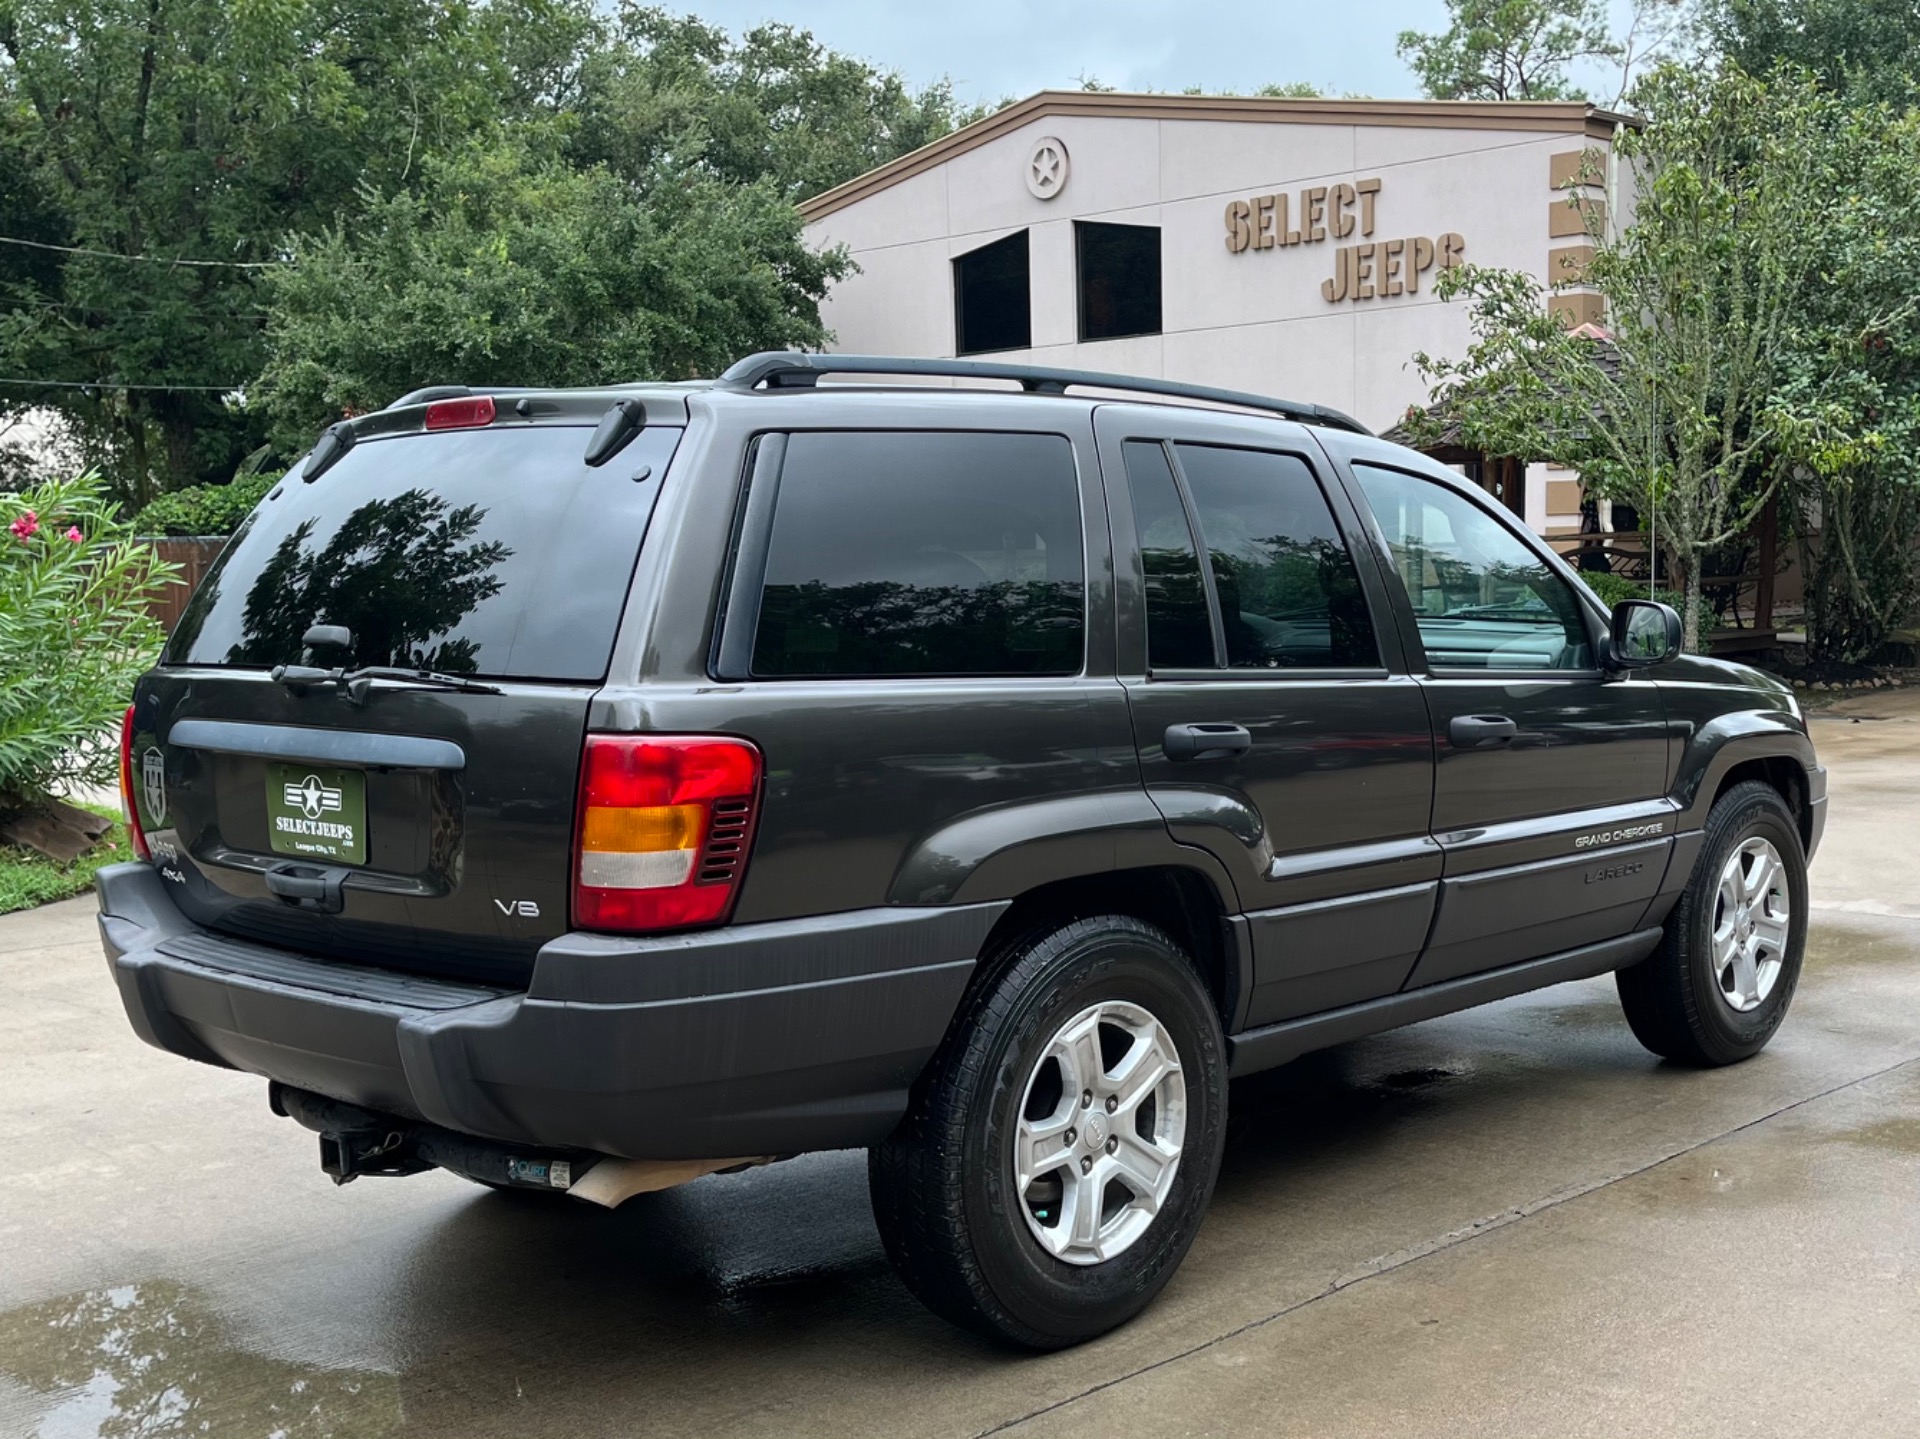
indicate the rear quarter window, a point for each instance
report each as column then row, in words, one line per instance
column 930, row 554
column 492, row 552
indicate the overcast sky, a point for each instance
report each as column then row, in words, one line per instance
column 995, row 48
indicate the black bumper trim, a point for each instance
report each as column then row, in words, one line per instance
column 763, row 1062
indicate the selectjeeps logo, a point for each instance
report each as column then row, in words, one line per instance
column 311, row 797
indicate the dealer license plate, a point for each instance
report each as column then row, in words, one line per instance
column 317, row 812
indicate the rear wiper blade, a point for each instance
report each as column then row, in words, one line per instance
column 358, row 682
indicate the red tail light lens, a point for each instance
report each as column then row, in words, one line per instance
column 129, row 811
column 464, row 414
column 665, row 824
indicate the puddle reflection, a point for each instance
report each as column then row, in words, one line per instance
column 151, row 1361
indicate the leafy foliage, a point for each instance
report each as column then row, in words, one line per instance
column 515, row 268
column 1528, row 49
column 773, row 106
column 356, row 139
column 207, row 130
column 1869, row 49
column 204, row 509
column 1727, row 372
column 74, row 634
column 1612, row 589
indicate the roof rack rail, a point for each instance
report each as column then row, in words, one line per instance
column 790, row 370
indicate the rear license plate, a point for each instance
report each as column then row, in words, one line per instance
column 317, row 812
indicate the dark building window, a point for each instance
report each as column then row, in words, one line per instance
column 1119, row 280
column 993, row 297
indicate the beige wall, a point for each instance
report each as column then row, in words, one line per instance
column 1254, row 320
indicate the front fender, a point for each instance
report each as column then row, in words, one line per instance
column 1727, row 740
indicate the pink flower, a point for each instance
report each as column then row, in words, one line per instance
column 26, row 527
column 73, row 533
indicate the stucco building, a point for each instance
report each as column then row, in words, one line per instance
column 1287, row 247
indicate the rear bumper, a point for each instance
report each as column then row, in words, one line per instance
column 757, row 1039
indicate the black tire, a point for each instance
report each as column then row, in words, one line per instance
column 1673, row 999
column 944, row 1190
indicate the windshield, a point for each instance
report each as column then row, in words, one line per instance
column 491, row 552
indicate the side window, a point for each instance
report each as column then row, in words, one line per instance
column 1481, row 598
column 1289, row 595
column 1179, row 631
column 923, row 554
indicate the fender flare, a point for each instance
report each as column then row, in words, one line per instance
column 1723, row 742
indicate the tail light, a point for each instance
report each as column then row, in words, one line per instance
column 665, row 822
column 128, row 809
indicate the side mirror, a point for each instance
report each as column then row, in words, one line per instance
column 1644, row 632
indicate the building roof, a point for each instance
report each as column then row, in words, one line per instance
column 1571, row 117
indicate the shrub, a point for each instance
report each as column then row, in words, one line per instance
column 1612, row 589
column 204, row 509
column 75, row 631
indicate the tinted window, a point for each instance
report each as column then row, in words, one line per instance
column 1289, row 595
column 1179, row 631
column 993, row 297
column 491, row 552
column 1482, row 599
column 1119, row 280
column 924, row 554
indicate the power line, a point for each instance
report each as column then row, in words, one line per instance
column 116, row 385
column 142, row 259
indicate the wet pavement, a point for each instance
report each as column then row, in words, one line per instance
column 1513, row 1221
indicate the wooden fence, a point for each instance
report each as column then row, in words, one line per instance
column 195, row 556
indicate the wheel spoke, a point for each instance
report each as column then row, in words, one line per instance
column 1078, row 1051
column 1144, row 1168
column 1040, row 1145
column 1760, row 877
column 1770, row 934
column 1082, row 1220
column 1140, row 1073
column 1746, row 978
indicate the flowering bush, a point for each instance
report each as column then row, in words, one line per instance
column 75, row 631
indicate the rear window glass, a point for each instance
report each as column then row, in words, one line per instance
column 923, row 554
column 491, row 552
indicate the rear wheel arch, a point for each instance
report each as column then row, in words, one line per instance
column 1184, row 903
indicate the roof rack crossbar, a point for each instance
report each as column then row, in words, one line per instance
column 779, row 370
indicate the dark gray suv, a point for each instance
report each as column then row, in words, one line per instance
column 586, row 790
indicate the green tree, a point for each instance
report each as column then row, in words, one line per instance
column 773, row 105
column 1870, row 48
column 512, row 267
column 193, row 135
column 1722, row 377
column 1529, row 49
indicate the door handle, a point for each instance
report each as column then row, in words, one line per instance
column 1205, row 741
column 1480, row 731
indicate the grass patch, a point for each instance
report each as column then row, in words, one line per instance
column 28, row 879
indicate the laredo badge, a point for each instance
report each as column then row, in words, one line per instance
column 317, row 811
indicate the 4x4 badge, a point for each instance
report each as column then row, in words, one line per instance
column 153, row 785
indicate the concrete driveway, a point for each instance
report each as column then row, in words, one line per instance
column 1509, row 1222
